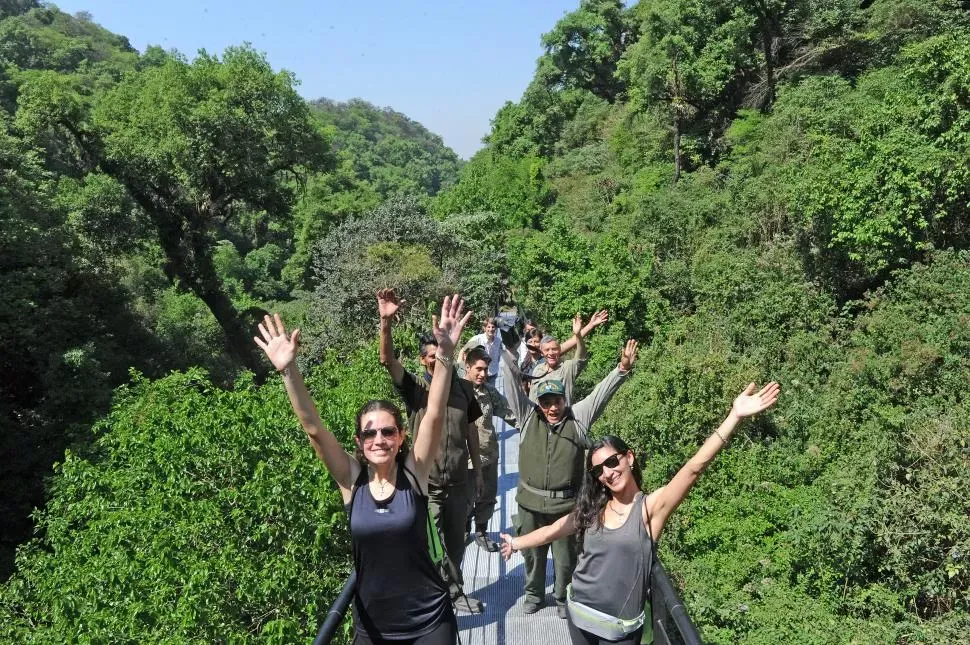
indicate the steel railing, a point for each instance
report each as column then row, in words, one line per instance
column 671, row 625
column 337, row 611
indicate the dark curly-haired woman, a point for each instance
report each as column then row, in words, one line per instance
column 620, row 526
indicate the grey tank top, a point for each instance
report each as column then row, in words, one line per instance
column 612, row 572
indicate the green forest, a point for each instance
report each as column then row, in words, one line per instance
column 755, row 189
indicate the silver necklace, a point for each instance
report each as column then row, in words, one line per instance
column 618, row 513
column 386, row 481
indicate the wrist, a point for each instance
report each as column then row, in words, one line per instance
column 447, row 361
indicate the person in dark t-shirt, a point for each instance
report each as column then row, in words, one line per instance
column 400, row 595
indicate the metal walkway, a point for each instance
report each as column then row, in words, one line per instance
column 500, row 585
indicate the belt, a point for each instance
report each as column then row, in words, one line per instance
column 567, row 493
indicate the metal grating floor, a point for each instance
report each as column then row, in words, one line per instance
column 499, row 584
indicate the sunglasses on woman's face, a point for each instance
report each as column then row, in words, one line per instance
column 370, row 433
column 609, row 462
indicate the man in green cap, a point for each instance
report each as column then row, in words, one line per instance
column 552, row 448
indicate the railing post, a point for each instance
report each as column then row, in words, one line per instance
column 668, row 608
column 337, row 611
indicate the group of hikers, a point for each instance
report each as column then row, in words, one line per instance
column 576, row 494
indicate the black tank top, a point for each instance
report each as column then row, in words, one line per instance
column 400, row 593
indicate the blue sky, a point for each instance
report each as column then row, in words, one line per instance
column 449, row 64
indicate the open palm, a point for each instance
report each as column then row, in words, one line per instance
column 599, row 318
column 748, row 403
column 280, row 350
column 388, row 303
column 448, row 326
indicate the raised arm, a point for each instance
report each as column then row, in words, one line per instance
column 518, row 401
column 595, row 321
column 589, row 409
column 388, row 304
column 281, row 352
column 663, row 501
column 447, row 330
column 564, row 526
column 501, row 409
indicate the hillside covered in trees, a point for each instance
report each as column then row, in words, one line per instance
column 755, row 189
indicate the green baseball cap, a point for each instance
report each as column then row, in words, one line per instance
column 552, row 386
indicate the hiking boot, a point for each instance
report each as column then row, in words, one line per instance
column 465, row 605
column 485, row 542
column 529, row 607
column 561, row 612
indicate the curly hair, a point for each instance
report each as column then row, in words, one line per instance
column 375, row 405
column 593, row 495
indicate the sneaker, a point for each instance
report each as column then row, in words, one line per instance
column 485, row 542
column 466, row 605
column 529, row 607
column 561, row 612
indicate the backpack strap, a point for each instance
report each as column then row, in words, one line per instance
column 435, row 548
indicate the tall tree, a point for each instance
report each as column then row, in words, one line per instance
column 194, row 145
column 585, row 46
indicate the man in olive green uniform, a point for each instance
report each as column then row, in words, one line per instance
column 493, row 404
column 448, row 490
column 552, row 449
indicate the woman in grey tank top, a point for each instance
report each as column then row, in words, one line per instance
column 620, row 525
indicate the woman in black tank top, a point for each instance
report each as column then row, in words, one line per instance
column 400, row 596
column 600, row 610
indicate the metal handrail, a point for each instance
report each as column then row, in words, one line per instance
column 671, row 624
column 337, row 611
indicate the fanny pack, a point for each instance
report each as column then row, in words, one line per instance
column 599, row 623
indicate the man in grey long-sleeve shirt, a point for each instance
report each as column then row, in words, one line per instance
column 552, row 449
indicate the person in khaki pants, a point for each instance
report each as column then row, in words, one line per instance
column 493, row 404
column 552, row 448
column 448, row 480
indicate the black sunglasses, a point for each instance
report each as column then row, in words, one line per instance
column 609, row 462
column 370, row 433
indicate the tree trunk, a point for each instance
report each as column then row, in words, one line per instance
column 183, row 237
column 766, row 39
column 676, row 148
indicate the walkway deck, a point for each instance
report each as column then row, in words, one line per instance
column 499, row 584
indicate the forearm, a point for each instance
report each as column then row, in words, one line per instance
column 474, row 448
column 517, row 400
column 301, row 401
column 426, row 441
column 324, row 443
column 714, row 443
column 590, row 408
column 580, row 347
column 559, row 529
column 387, row 357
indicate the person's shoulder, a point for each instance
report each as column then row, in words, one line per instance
column 412, row 380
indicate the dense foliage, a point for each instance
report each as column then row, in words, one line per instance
column 755, row 189
column 152, row 207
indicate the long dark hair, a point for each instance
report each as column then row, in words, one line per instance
column 375, row 405
column 593, row 496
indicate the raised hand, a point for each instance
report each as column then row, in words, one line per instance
column 599, row 318
column 388, row 303
column 748, row 404
column 577, row 324
column 629, row 356
column 507, row 549
column 280, row 350
column 448, row 326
